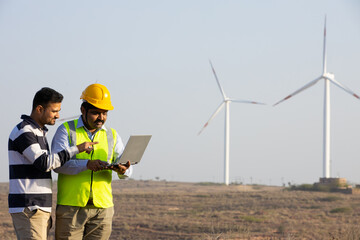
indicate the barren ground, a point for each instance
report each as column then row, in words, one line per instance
column 173, row 210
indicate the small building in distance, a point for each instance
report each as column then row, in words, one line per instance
column 339, row 182
column 337, row 185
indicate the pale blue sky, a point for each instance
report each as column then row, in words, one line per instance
column 153, row 56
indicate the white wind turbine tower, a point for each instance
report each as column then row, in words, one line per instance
column 328, row 77
column 226, row 101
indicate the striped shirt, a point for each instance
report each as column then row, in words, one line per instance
column 30, row 165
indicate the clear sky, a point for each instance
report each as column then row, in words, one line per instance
column 153, row 57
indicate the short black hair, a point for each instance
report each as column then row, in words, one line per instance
column 87, row 106
column 45, row 96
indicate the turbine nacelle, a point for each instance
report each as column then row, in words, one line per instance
column 329, row 76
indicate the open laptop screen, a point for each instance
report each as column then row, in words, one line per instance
column 134, row 149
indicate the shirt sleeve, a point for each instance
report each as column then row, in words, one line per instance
column 61, row 141
column 35, row 152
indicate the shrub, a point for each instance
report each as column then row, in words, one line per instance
column 330, row 199
column 251, row 219
column 341, row 210
column 314, row 187
column 257, row 187
column 209, row 184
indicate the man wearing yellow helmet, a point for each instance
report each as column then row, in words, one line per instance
column 84, row 202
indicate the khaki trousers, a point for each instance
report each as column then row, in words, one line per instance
column 83, row 222
column 32, row 225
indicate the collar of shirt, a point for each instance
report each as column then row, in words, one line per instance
column 91, row 135
column 31, row 121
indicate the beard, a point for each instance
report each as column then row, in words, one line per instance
column 51, row 121
column 98, row 124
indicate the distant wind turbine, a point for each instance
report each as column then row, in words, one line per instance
column 226, row 101
column 328, row 77
column 69, row 118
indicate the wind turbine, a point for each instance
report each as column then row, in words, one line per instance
column 226, row 101
column 328, row 77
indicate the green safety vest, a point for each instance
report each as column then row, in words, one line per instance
column 74, row 190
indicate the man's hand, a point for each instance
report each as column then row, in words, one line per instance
column 86, row 146
column 96, row 165
column 120, row 168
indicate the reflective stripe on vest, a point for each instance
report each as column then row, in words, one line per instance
column 74, row 190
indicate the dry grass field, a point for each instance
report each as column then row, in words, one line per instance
column 173, row 210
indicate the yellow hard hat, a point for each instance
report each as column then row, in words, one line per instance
column 97, row 95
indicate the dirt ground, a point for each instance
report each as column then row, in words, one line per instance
column 174, row 210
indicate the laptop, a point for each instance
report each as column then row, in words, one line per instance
column 134, row 149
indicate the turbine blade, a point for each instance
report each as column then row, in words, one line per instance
column 245, row 101
column 324, row 50
column 212, row 116
column 217, row 80
column 346, row 89
column 300, row 90
column 69, row 118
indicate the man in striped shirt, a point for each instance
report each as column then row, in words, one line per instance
column 30, row 165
